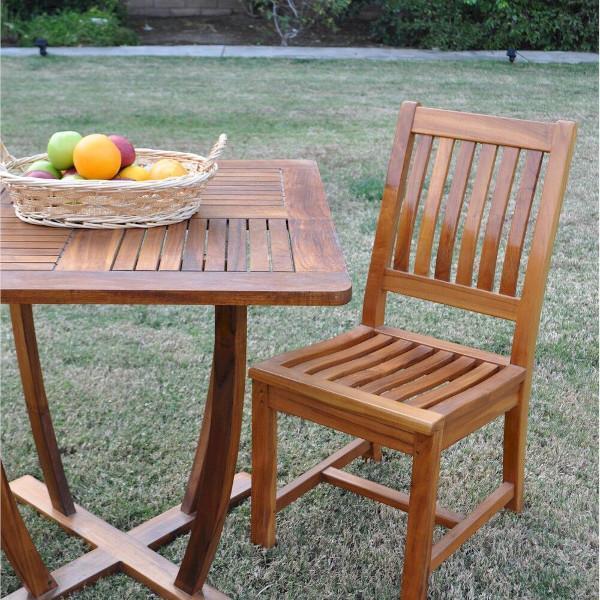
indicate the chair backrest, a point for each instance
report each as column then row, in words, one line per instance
column 466, row 198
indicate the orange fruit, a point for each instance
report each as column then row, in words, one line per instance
column 134, row 172
column 97, row 157
column 167, row 167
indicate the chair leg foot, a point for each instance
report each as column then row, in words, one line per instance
column 264, row 468
column 421, row 517
column 515, row 441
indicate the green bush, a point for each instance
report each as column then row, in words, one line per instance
column 489, row 24
column 94, row 27
column 26, row 9
column 292, row 17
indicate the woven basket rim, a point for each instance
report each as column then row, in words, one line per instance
column 110, row 203
column 109, row 184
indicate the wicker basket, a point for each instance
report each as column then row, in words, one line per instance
column 110, row 204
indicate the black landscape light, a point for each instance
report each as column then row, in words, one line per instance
column 512, row 54
column 42, row 44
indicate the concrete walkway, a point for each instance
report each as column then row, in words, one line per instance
column 320, row 53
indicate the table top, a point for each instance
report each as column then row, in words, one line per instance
column 263, row 235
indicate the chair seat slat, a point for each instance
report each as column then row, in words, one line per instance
column 448, row 372
column 464, row 382
column 320, row 364
column 365, row 377
column 344, row 340
column 431, row 360
column 388, row 352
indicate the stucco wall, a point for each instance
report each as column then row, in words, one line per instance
column 182, row 8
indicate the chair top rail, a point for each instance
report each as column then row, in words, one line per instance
column 485, row 129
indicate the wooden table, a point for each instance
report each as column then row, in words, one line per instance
column 263, row 236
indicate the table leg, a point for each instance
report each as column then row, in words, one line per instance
column 190, row 499
column 218, row 460
column 37, row 407
column 19, row 548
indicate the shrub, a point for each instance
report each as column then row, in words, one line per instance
column 291, row 17
column 489, row 24
column 93, row 27
column 26, row 9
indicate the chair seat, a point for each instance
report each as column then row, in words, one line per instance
column 367, row 363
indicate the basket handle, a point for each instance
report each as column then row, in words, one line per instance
column 5, row 155
column 217, row 149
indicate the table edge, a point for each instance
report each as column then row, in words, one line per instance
column 164, row 287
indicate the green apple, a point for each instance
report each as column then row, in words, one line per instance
column 44, row 165
column 60, row 148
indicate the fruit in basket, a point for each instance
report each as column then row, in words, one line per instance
column 60, row 148
column 43, row 165
column 97, row 157
column 167, row 167
column 125, row 148
column 40, row 174
column 71, row 174
column 133, row 173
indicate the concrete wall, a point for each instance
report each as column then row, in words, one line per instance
column 182, row 8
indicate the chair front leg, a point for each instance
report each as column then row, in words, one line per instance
column 264, row 467
column 421, row 516
column 515, row 444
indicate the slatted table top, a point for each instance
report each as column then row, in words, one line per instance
column 263, row 235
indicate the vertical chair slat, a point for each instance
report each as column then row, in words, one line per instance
column 516, row 237
column 483, row 178
column 411, row 202
column 432, row 205
column 493, row 231
column 456, row 196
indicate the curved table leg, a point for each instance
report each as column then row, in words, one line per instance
column 218, row 447
column 37, row 408
column 19, row 548
column 190, row 499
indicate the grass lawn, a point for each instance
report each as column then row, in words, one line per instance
column 126, row 384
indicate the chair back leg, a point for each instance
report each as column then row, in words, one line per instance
column 421, row 516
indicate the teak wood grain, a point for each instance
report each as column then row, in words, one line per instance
column 479, row 197
column 262, row 236
column 266, row 221
column 19, row 547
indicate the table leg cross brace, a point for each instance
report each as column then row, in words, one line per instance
column 115, row 550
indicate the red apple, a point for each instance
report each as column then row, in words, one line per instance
column 40, row 174
column 125, row 148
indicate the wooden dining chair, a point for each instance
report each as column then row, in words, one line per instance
column 18, row 546
column 477, row 194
